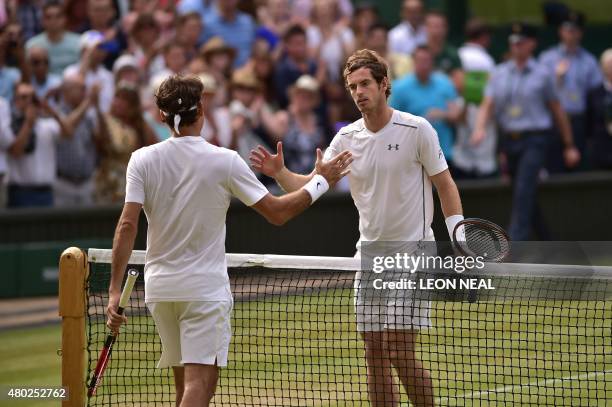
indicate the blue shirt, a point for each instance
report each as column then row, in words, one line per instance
column 582, row 75
column 286, row 73
column 202, row 7
column 9, row 77
column 41, row 89
column 412, row 96
column 238, row 33
column 521, row 97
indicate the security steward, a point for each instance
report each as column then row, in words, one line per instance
column 522, row 97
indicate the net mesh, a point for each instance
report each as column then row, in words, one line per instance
column 546, row 341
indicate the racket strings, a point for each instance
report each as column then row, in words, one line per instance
column 487, row 242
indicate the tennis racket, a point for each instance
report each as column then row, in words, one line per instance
column 482, row 238
column 112, row 337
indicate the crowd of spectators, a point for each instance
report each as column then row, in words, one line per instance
column 77, row 80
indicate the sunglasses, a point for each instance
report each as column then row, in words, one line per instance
column 39, row 62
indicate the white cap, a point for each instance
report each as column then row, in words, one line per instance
column 209, row 82
column 91, row 39
column 307, row 82
column 125, row 61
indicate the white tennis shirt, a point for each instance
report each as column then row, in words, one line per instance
column 185, row 186
column 389, row 178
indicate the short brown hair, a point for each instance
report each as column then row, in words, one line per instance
column 177, row 95
column 366, row 58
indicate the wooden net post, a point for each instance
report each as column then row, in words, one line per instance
column 73, row 272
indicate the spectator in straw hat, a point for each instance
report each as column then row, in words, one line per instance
column 219, row 58
column 245, row 111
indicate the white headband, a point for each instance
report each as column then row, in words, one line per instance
column 177, row 116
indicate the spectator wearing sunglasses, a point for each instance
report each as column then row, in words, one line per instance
column 43, row 82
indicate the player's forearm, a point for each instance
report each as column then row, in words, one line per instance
column 123, row 244
column 450, row 201
column 291, row 205
column 290, row 181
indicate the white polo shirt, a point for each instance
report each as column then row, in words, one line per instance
column 185, row 185
column 39, row 167
column 389, row 178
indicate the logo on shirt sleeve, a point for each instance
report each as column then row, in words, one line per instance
column 392, row 147
column 440, row 154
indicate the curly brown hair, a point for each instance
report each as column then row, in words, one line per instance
column 366, row 58
column 177, row 95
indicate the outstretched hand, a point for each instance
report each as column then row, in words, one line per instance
column 334, row 169
column 266, row 163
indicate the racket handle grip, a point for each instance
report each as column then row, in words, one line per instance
column 127, row 289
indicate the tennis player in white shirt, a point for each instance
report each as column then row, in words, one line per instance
column 397, row 158
column 185, row 185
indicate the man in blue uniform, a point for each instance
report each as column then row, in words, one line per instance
column 522, row 97
column 576, row 72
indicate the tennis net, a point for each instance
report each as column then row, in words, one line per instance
column 544, row 338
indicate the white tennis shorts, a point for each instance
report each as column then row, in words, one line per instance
column 376, row 311
column 193, row 331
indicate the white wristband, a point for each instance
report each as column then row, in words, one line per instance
column 451, row 222
column 316, row 187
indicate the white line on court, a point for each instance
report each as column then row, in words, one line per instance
column 510, row 388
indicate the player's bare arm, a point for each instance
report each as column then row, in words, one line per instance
column 273, row 165
column 449, row 199
column 279, row 210
column 123, row 244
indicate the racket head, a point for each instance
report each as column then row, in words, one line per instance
column 483, row 238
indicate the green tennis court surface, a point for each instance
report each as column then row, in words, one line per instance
column 525, row 353
column 536, row 353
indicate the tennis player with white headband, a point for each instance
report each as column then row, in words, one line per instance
column 397, row 160
column 185, row 185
